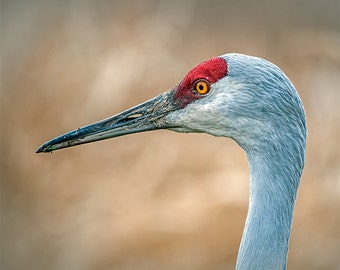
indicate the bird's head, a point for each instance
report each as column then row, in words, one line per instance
column 237, row 96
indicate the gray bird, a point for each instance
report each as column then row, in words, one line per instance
column 251, row 101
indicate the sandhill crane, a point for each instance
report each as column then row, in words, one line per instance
column 251, row 101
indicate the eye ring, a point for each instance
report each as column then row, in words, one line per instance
column 202, row 87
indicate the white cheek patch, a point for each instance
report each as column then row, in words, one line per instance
column 221, row 113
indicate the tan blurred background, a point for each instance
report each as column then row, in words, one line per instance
column 157, row 200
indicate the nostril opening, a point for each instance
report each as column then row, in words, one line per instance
column 134, row 116
column 129, row 118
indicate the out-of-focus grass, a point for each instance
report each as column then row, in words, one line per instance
column 157, row 200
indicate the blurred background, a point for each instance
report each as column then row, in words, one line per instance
column 157, row 200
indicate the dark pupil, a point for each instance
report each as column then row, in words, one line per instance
column 200, row 87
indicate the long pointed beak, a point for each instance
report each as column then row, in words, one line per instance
column 146, row 116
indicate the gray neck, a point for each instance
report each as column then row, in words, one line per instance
column 273, row 189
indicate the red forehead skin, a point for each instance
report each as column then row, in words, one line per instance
column 211, row 70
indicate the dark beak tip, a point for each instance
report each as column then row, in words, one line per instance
column 42, row 149
column 39, row 150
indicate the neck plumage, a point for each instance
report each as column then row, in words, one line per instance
column 274, row 180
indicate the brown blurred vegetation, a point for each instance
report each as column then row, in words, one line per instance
column 157, row 200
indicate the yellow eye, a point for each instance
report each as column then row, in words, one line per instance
column 202, row 87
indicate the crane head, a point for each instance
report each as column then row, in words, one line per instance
column 234, row 95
